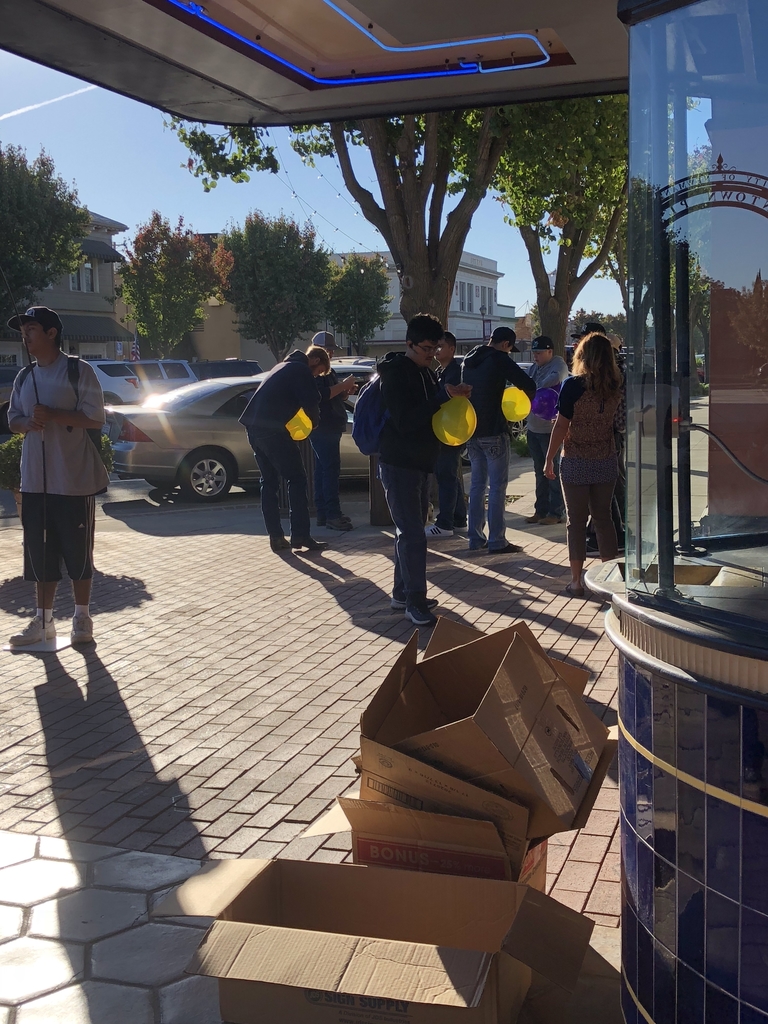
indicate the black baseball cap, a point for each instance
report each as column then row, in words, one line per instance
column 542, row 344
column 324, row 339
column 505, row 334
column 47, row 319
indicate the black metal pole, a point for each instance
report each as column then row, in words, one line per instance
column 662, row 313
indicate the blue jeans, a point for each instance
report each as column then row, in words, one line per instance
column 489, row 458
column 450, row 500
column 279, row 456
column 327, row 472
column 407, row 494
column 549, row 494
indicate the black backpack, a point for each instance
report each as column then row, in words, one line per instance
column 73, row 373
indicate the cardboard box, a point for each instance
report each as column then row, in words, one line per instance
column 312, row 943
column 388, row 835
column 495, row 710
column 391, row 777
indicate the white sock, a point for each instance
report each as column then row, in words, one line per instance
column 81, row 609
column 45, row 614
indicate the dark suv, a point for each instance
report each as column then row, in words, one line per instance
column 209, row 368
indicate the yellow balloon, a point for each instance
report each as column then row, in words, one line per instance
column 455, row 422
column 299, row 426
column 515, row 404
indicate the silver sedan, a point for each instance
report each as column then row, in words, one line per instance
column 192, row 438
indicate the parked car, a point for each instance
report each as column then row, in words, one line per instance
column 7, row 377
column 118, row 381
column 362, row 370
column 161, row 375
column 192, row 438
column 206, row 369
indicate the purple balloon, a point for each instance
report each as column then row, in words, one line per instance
column 544, row 404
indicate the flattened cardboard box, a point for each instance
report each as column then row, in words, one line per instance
column 311, row 943
column 390, row 835
column 388, row 776
column 446, row 711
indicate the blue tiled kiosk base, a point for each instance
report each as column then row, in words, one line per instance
column 694, row 831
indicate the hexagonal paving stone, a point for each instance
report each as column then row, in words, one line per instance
column 10, row 922
column 37, row 880
column 59, row 849
column 91, row 1002
column 191, row 1001
column 143, row 871
column 5, row 1014
column 15, row 847
column 88, row 914
column 152, row 954
column 32, row 967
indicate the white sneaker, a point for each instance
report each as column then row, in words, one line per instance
column 34, row 633
column 437, row 531
column 82, row 629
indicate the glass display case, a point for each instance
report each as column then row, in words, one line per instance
column 689, row 612
column 697, row 437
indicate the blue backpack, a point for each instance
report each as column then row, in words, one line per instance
column 370, row 417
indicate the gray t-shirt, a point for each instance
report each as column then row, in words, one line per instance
column 547, row 376
column 73, row 466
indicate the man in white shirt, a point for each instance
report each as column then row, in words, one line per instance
column 54, row 404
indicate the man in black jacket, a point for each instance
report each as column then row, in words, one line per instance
column 489, row 369
column 326, row 437
column 288, row 387
column 408, row 453
column 452, row 514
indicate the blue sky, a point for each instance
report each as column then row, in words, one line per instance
column 125, row 164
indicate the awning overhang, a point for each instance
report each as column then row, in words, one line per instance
column 100, row 250
column 77, row 327
column 266, row 62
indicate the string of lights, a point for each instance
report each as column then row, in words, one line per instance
column 306, row 207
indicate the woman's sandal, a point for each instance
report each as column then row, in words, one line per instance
column 573, row 591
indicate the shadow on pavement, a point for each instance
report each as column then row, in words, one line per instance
column 366, row 603
column 103, row 780
column 110, row 594
column 102, row 776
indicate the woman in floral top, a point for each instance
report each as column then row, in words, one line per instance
column 590, row 401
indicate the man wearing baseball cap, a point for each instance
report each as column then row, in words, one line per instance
column 548, row 371
column 489, row 368
column 61, row 471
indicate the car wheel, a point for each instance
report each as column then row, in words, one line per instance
column 516, row 429
column 207, row 475
column 110, row 399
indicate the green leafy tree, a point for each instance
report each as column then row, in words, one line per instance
column 614, row 323
column 41, row 226
column 564, row 179
column 167, row 277
column 279, row 280
column 358, row 298
column 420, row 162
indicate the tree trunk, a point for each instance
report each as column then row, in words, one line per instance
column 413, row 179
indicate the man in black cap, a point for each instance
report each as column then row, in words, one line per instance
column 326, row 437
column 548, row 371
column 489, row 368
column 54, row 404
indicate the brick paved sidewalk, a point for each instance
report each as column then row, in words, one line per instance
column 218, row 712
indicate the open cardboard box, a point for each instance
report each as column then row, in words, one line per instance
column 496, row 711
column 312, row 943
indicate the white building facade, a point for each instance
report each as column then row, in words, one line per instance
column 474, row 312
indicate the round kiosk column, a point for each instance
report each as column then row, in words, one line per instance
column 693, row 721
